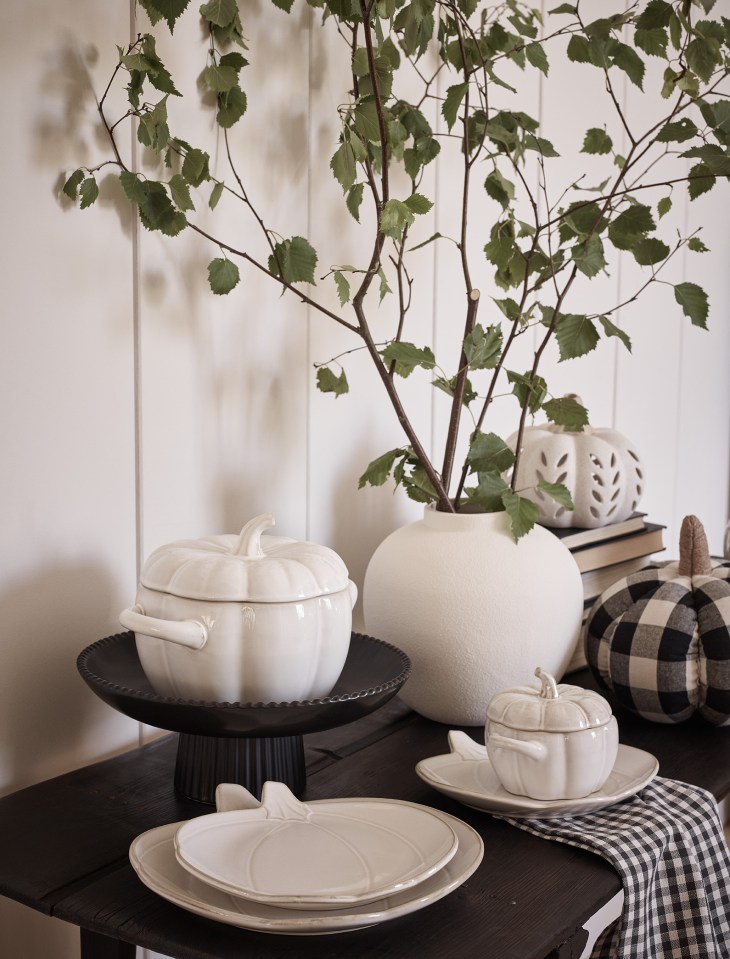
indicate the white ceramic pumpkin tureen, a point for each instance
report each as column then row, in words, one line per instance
column 247, row 618
column 555, row 742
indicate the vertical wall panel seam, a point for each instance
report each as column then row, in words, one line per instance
column 308, row 313
column 434, row 280
column 136, row 355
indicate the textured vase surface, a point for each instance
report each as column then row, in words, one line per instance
column 474, row 610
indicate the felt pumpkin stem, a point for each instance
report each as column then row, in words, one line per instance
column 694, row 553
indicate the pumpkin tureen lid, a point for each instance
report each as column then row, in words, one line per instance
column 552, row 707
column 248, row 567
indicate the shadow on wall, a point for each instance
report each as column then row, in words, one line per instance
column 49, row 719
column 68, row 134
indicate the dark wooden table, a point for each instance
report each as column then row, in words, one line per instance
column 64, row 845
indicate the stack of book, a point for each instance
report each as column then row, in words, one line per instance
column 606, row 554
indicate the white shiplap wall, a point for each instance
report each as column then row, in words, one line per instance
column 138, row 409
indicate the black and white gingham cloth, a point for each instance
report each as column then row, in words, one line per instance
column 668, row 846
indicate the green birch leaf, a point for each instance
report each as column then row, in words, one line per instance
column 133, row 186
column 541, row 145
column 223, row 275
column 284, row 5
column 579, row 49
column 418, row 246
column 700, row 181
column 343, row 287
column 395, row 216
column 417, row 485
column 631, row 226
column 343, row 165
column 489, row 453
column 522, row 512
column 215, row 194
column 530, row 390
column 536, row 56
column 195, row 167
column 499, row 188
column 231, row 107
column 677, row 132
column 380, row 469
column 358, row 147
column 558, row 492
column 88, row 191
column 365, row 119
column 219, row 12
column 329, row 382
column 453, row 100
column 628, row 60
column 449, row 386
column 664, row 206
column 696, row 245
column 483, row 348
column 180, row 192
column 406, row 357
column 610, row 329
column 703, row 56
column 597, row 141
column 509, row 307
column 153, row 14
column 588, row 256
column 354, row 200
column 567, row 412
column 655, row 15
column 564, row 8
column 220, row 79
column 71, row 186
column 384, row 288
column 234, row 59
column 652, row 42
column 302, row 261
column 487, row 495
column 418, row 204
column 649, row 251
column 576, row 335
column 693, row 300
column 168, row 10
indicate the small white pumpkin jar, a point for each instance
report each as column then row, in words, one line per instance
column 599, row 466
column 555, row 742
column 247, row 618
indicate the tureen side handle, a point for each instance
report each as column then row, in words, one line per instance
column 528, row 747
column 186, row 632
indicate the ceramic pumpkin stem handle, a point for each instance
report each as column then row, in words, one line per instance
column 694, row 553
column 549, row 686
column 249, row 542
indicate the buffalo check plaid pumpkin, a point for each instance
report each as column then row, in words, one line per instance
column 659, row 639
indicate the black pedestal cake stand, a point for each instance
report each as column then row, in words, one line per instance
column 246, row 743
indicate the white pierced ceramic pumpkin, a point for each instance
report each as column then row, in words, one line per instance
column 553, row 742
column 243, row 618
column 659, row 639
column 599, row 466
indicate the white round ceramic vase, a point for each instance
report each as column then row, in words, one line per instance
column 474, row 610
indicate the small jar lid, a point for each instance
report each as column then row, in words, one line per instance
column 247, row 567
column 549, row 707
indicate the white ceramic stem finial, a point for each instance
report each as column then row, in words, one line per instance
column 549, row 686
column 249, row 542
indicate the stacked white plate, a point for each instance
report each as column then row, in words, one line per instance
column 283, row 866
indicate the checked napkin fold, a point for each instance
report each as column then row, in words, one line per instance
column 668, row 846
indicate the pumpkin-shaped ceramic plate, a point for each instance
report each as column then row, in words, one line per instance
column 323, row 855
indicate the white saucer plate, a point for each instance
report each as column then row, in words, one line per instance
column 467, row 775
column 319, row 855
column 153, row 858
